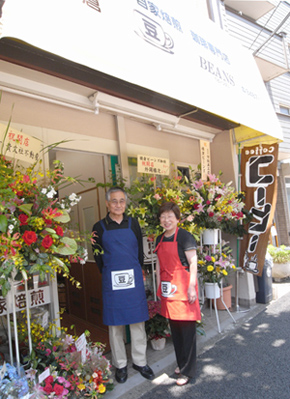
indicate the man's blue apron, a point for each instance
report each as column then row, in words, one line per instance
column 124, row 298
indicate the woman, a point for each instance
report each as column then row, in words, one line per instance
column 177, row 286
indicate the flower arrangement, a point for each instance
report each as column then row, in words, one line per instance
column 157, row 326
column 146, row 198
column 203, row 204
column 214, row 264
column 67, row 372
column 34, row 237
column 14, row 383
column 215, row 205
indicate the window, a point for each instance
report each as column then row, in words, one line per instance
column 284, row 110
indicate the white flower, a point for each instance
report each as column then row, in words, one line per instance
column 51, row 193
column 72, row 197
column 44, row 191
column 10, row 228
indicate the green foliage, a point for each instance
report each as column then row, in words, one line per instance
column 279, row 254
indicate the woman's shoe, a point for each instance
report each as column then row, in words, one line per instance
column 177, row 370
column 182, row 380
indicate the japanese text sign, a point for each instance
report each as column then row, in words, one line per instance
column 259, row 183
column 205, row 159
column 152, row 165
column 19, row 145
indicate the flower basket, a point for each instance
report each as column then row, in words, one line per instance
column 212, row 290
column 210, row 237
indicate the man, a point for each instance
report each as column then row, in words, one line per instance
column 124, row 298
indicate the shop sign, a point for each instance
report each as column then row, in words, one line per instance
column 18, row 145
column 152, row 165
column 35, row 297
column 164, row 46
column 205, row 159
column 259, row 183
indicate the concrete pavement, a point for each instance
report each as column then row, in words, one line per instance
column 163, row 362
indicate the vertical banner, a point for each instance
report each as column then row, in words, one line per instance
column 205, row 159
column 259, row 183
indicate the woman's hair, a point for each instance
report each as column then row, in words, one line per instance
column 113, row 190
column 169, row 206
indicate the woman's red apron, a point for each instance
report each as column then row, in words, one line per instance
column 174, row 281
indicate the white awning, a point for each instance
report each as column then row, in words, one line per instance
column 164, row 47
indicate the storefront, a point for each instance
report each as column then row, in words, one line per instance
column 109, row 79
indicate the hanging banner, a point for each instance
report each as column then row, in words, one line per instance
column 152, row 165
column 259, row 183
column 205, row 159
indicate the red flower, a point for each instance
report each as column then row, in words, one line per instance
column 58, row 389
column 29, row 237
column 211, row 214
column 47, row 242
column 48, row 388
column 59, row 231
column 23, row 219
column 49, row 379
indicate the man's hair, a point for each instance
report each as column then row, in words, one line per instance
column 169, row 206
column 113, row 190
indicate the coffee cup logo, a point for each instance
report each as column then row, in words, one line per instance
column 123, row 279
column 168, row 289
column 152, row 32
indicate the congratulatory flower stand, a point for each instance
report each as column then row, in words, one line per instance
column 36, row 245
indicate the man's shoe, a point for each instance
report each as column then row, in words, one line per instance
column 145, row 371
column 121, row 375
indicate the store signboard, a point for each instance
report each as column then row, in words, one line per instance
column 259, row 183
column 152, row 165
column 36, row 297
column 18, row 145
column 164, row 46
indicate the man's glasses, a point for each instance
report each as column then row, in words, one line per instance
column 116, row 202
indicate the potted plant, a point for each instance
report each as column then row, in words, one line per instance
column 157, row 327
column 214, row 266
column 281, row 261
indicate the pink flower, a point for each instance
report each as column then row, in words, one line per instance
column 157, row 197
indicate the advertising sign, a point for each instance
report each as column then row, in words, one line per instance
column 259, row 183
column 164, row 46
column 19, row 145
column 152, row 165
column 205, row 159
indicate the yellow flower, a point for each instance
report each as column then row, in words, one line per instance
column 102, row 388
column 213, row 259
column 201, row 262
column 225, row 273
column 210, row 268
column 81, row 387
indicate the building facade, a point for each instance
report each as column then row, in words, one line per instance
column 110, row 82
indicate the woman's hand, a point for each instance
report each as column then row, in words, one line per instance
column 191, row 294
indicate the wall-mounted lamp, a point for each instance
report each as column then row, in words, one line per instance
column 157, row 126
column 97, row 109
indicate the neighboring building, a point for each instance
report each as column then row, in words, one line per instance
column 268, row 38
column 159, row 85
